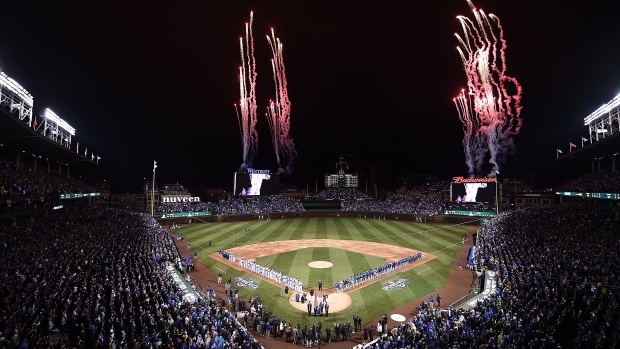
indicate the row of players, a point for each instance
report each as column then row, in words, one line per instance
column 376, row 273
column 287, row 281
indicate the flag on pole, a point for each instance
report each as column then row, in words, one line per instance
column 154, row 165
column 98, row 158
column 558, row 152
column 35, row 123
column 572, row 146
column 92, row 156
column 77, row 147
column 85, row 151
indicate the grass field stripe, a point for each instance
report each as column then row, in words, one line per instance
column 330, row 225
column 451, row 236
column 419, row 242
column 365, row 230
column 412, row 234
column 199, row 229
column 301, row 228
column 426, row 232
column 190, row 230
column 352, row 230
column 345, row 266
column 448, row 247
column 295, row 268
column 229, row 230
column 356, row 231
column 421, row 271
column 387, row 235
column 403, row 225
column 429, row 229
column 346, row 230
column 403, row 232
column 289, row 229
column 310, row 230
column 303, row 269
column 318, row 254
column 220, row 240
column 321, row 229
column 272, row 231
column 329, row 281
column 429, row 243
column 360, row 231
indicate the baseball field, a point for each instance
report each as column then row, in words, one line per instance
column 331, row 249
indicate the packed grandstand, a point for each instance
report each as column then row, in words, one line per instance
column 90, row 276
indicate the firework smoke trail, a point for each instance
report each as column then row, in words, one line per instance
column 279, row 112
column 246, row 111
column 272, row 118
column 475, row 138
column 495, row 116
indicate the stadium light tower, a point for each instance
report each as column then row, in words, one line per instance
column 605, row 121
column 55, row 128
column 15, row 97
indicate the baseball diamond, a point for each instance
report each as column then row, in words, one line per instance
column 353, row 245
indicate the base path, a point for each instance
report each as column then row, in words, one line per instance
column 390, row 253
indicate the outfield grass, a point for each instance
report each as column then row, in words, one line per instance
column 369, row 302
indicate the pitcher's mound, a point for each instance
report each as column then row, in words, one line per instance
column 337, row 302
column 320, row 265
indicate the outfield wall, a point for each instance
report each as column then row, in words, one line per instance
column 441, row 219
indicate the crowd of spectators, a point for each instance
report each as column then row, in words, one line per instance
column 16, row 203
column 399, row 203
column 256, row 204
column 605, row 181
column 174, row 189
column 24, row 181
column 558, row 285
column 342, row 194
column 306, row 335
column 240, row 205
column 102, row 186
column 469, row 206
column 97, row 277
column 173, row 207
column 435, row 188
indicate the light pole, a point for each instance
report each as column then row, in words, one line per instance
column 496, row 192
column 153, row 190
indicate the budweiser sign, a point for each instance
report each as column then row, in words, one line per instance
column 473, row 180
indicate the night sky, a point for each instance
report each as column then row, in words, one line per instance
column 154, row 80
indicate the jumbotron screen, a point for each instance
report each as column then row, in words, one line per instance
column 257, row 182
column 473, row 189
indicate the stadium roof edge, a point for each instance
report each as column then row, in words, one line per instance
column 16, row 134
